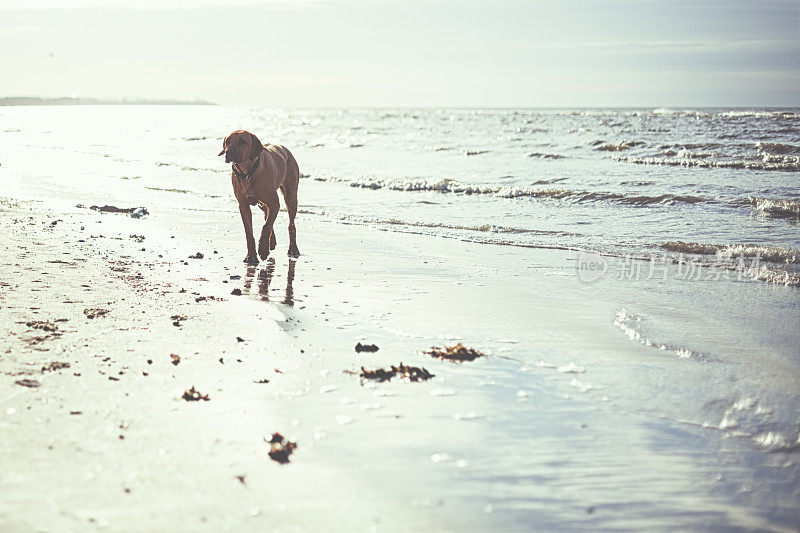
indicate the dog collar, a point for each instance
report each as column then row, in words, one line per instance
column 241, row 175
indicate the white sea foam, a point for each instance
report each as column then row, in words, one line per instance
column 786, row 163
column 746, row 417
column 446, row 185
column 571, row 368
column 773, row 254
column 603, row 146
column 779, row 208
column 630, row 324
column 775, row 441
column 777, row 276
column 580, row 385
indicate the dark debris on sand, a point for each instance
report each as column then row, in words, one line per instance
column 411, row 373
column 31, row 383
column 459, row 353
column 95, row 312
column 198, row 255
column 280, row 448
column 43, row 325
column 366, row 347
column 135, row 212
column 193, row 395
column 54, row 365
column 204, row 298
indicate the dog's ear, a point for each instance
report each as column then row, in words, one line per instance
column 256, row 148
column 224, row 142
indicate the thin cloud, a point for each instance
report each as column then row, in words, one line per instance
column 666, row 47
column 157, row 5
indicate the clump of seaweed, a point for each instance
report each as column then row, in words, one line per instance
column 459, row 353
column 280, row 448
column 411, row 373
column 193, row 395
column 366, row 347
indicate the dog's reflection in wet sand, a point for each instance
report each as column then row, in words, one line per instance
column 265, row 276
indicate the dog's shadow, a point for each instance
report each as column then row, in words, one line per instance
column 265, row 276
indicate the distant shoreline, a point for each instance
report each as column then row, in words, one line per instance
column 32, row 100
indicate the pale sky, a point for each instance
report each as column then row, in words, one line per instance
column 502, row 53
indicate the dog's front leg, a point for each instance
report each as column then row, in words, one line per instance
column 267, row 234
column 247, row 220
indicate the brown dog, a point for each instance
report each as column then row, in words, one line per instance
column 258, row 171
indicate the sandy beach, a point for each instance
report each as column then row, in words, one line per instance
column 627, row 383
column 544, row 274
column 536, row 435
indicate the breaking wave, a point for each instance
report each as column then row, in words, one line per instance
column 773, row 254
column 785, row 163
column 451, row 186
column 691, row 146
column 776, row 208
column 538, row 155
column 777, row 276
column 774, row 441
column 602, row 146
column 777, row 148
column 780, row 114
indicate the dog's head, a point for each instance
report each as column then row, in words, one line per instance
column 241, row 145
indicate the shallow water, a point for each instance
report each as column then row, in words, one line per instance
column 617, row 181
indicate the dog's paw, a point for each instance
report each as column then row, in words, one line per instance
column 263, row 253
column 293, row 252
column 251, row 259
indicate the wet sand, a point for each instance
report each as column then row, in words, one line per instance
column 547, row 432
column 96, row 430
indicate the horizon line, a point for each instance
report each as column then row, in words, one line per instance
column 31, row 101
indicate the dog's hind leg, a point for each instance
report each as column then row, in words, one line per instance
column 273, row 206
column 289, row 191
